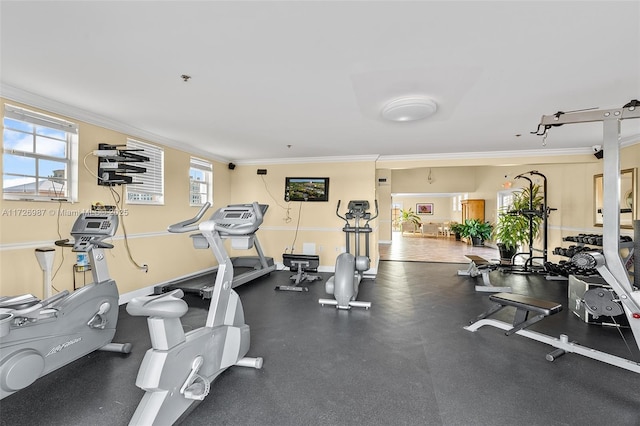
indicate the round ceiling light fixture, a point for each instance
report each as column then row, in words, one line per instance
column 410, row 108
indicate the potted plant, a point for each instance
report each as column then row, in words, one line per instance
column 508, row 233
column 409, row 217
column 456, row 228
column 477, row 231
column 512, row 227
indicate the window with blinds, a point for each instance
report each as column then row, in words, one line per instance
column 200, row 182
column 149, row 188
column 39, row 159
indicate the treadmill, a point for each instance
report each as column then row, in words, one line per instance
column 246, row 268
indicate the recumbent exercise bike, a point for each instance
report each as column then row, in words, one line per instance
column 40, row 336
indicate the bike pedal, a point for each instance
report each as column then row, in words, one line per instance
column 197, row 391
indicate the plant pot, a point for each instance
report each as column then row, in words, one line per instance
column 458, row 236
column 476, row 241
column 506, row 252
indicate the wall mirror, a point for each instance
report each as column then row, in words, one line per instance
column 627, row 198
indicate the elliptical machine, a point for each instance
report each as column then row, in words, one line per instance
column 178, row 370
column 40, row 336
column 351, row 267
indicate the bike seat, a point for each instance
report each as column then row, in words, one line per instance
column 23, row 301
column 167, row 305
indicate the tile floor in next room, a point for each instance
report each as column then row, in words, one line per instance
column 416, row 248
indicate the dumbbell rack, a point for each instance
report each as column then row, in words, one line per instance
column 562, row 270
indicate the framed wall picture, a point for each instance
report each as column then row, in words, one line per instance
column 424, row 208
column 627, row 198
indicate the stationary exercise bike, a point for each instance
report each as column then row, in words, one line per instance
column 350, row 267
column 178, row 370
column 40, row 336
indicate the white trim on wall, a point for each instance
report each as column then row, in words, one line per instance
column 37, row 101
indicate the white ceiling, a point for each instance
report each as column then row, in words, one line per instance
column 277, row 81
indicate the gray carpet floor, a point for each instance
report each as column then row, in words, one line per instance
column 406, row 361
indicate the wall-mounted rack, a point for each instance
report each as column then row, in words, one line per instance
column 114, row 164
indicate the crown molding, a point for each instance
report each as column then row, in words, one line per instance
column 31, row 99
column 426, row 194
column 487, row 154
column 28, row 98
column 305, row 160
column 629, row 140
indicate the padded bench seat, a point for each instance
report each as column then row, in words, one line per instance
column 524, row 305
column 525, row 302
column 301, row 264
column 483, row 267
column 477, row 259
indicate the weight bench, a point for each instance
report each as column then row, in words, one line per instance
column 481, row 266
column 524, row 305
column 300, row 263
column 541, row 309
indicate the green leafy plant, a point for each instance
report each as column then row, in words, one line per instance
column 456, row 228
column 476, row 229
column 409, row 216
column 512, row 226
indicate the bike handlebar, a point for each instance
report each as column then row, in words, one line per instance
column 63, row 243
column 92, row 241
column 101, row 244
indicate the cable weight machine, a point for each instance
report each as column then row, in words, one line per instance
column 609, row 264
column 625, row 296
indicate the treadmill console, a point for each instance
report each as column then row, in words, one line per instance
column 91, row 228
column 238, row 217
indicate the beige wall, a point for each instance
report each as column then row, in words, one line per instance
column 383, row 195
column 168, row 256
column 442, row 207
column 443, row 180
column 569, row 188
column 294, row 224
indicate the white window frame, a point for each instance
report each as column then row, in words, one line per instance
column 457, row 201
column 504, row 199
column 195, row 185
column 39, row 121
column 150, row 190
